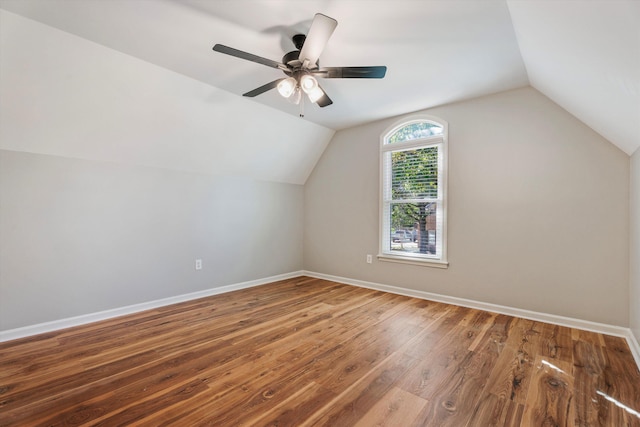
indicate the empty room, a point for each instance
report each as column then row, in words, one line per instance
column 320, row 213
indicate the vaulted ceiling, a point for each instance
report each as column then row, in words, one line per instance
column 584, row 55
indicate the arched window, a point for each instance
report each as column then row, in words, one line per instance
column 413, row 162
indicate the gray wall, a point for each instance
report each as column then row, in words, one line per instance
column 538, row 210
column 131, row 177
column 81, row 236
column 634, row 290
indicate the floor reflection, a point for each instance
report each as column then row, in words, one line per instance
column 618, row 404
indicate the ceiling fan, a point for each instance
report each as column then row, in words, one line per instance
column 301, row 65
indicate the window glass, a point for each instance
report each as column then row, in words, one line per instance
column 413, row 193
column 415, row 131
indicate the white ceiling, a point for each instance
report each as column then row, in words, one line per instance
column 584, row 55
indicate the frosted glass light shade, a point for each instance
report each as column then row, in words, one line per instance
column 315, row 94
column 308, row 83
column 295, row 97
column 287, row 87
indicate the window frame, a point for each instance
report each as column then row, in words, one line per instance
column 385, row 254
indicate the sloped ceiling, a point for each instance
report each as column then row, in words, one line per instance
column 584, row 55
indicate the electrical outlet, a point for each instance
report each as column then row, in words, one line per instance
column 369, row 259
column 198, row 264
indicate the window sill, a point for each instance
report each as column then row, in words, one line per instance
column 423, row 262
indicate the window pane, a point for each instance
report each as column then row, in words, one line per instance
column 413, row 169
column 415, row 131
column 413, row 227
column 414, row 173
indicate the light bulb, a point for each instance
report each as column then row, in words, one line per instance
column 287, row 87
column 308, row 83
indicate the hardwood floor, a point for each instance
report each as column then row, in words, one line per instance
column 308, row 352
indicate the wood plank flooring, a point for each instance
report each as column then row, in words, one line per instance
column 309, row 352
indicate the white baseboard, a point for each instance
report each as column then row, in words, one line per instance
column 634, row 346
column 69, row 322
column 55, row 325
column 601, row 328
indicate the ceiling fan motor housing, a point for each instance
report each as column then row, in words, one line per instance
column 292, row 58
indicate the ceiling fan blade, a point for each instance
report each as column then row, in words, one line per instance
column 377, row 72
column 248, row 56
column 262, row 89
column 324, row 100
column 321, row 29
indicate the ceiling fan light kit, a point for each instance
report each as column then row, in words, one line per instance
column 301, row 65
column 315, row 94
column 287, row 86
column 308, row 82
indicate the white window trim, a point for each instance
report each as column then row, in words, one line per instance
column 412, row 259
